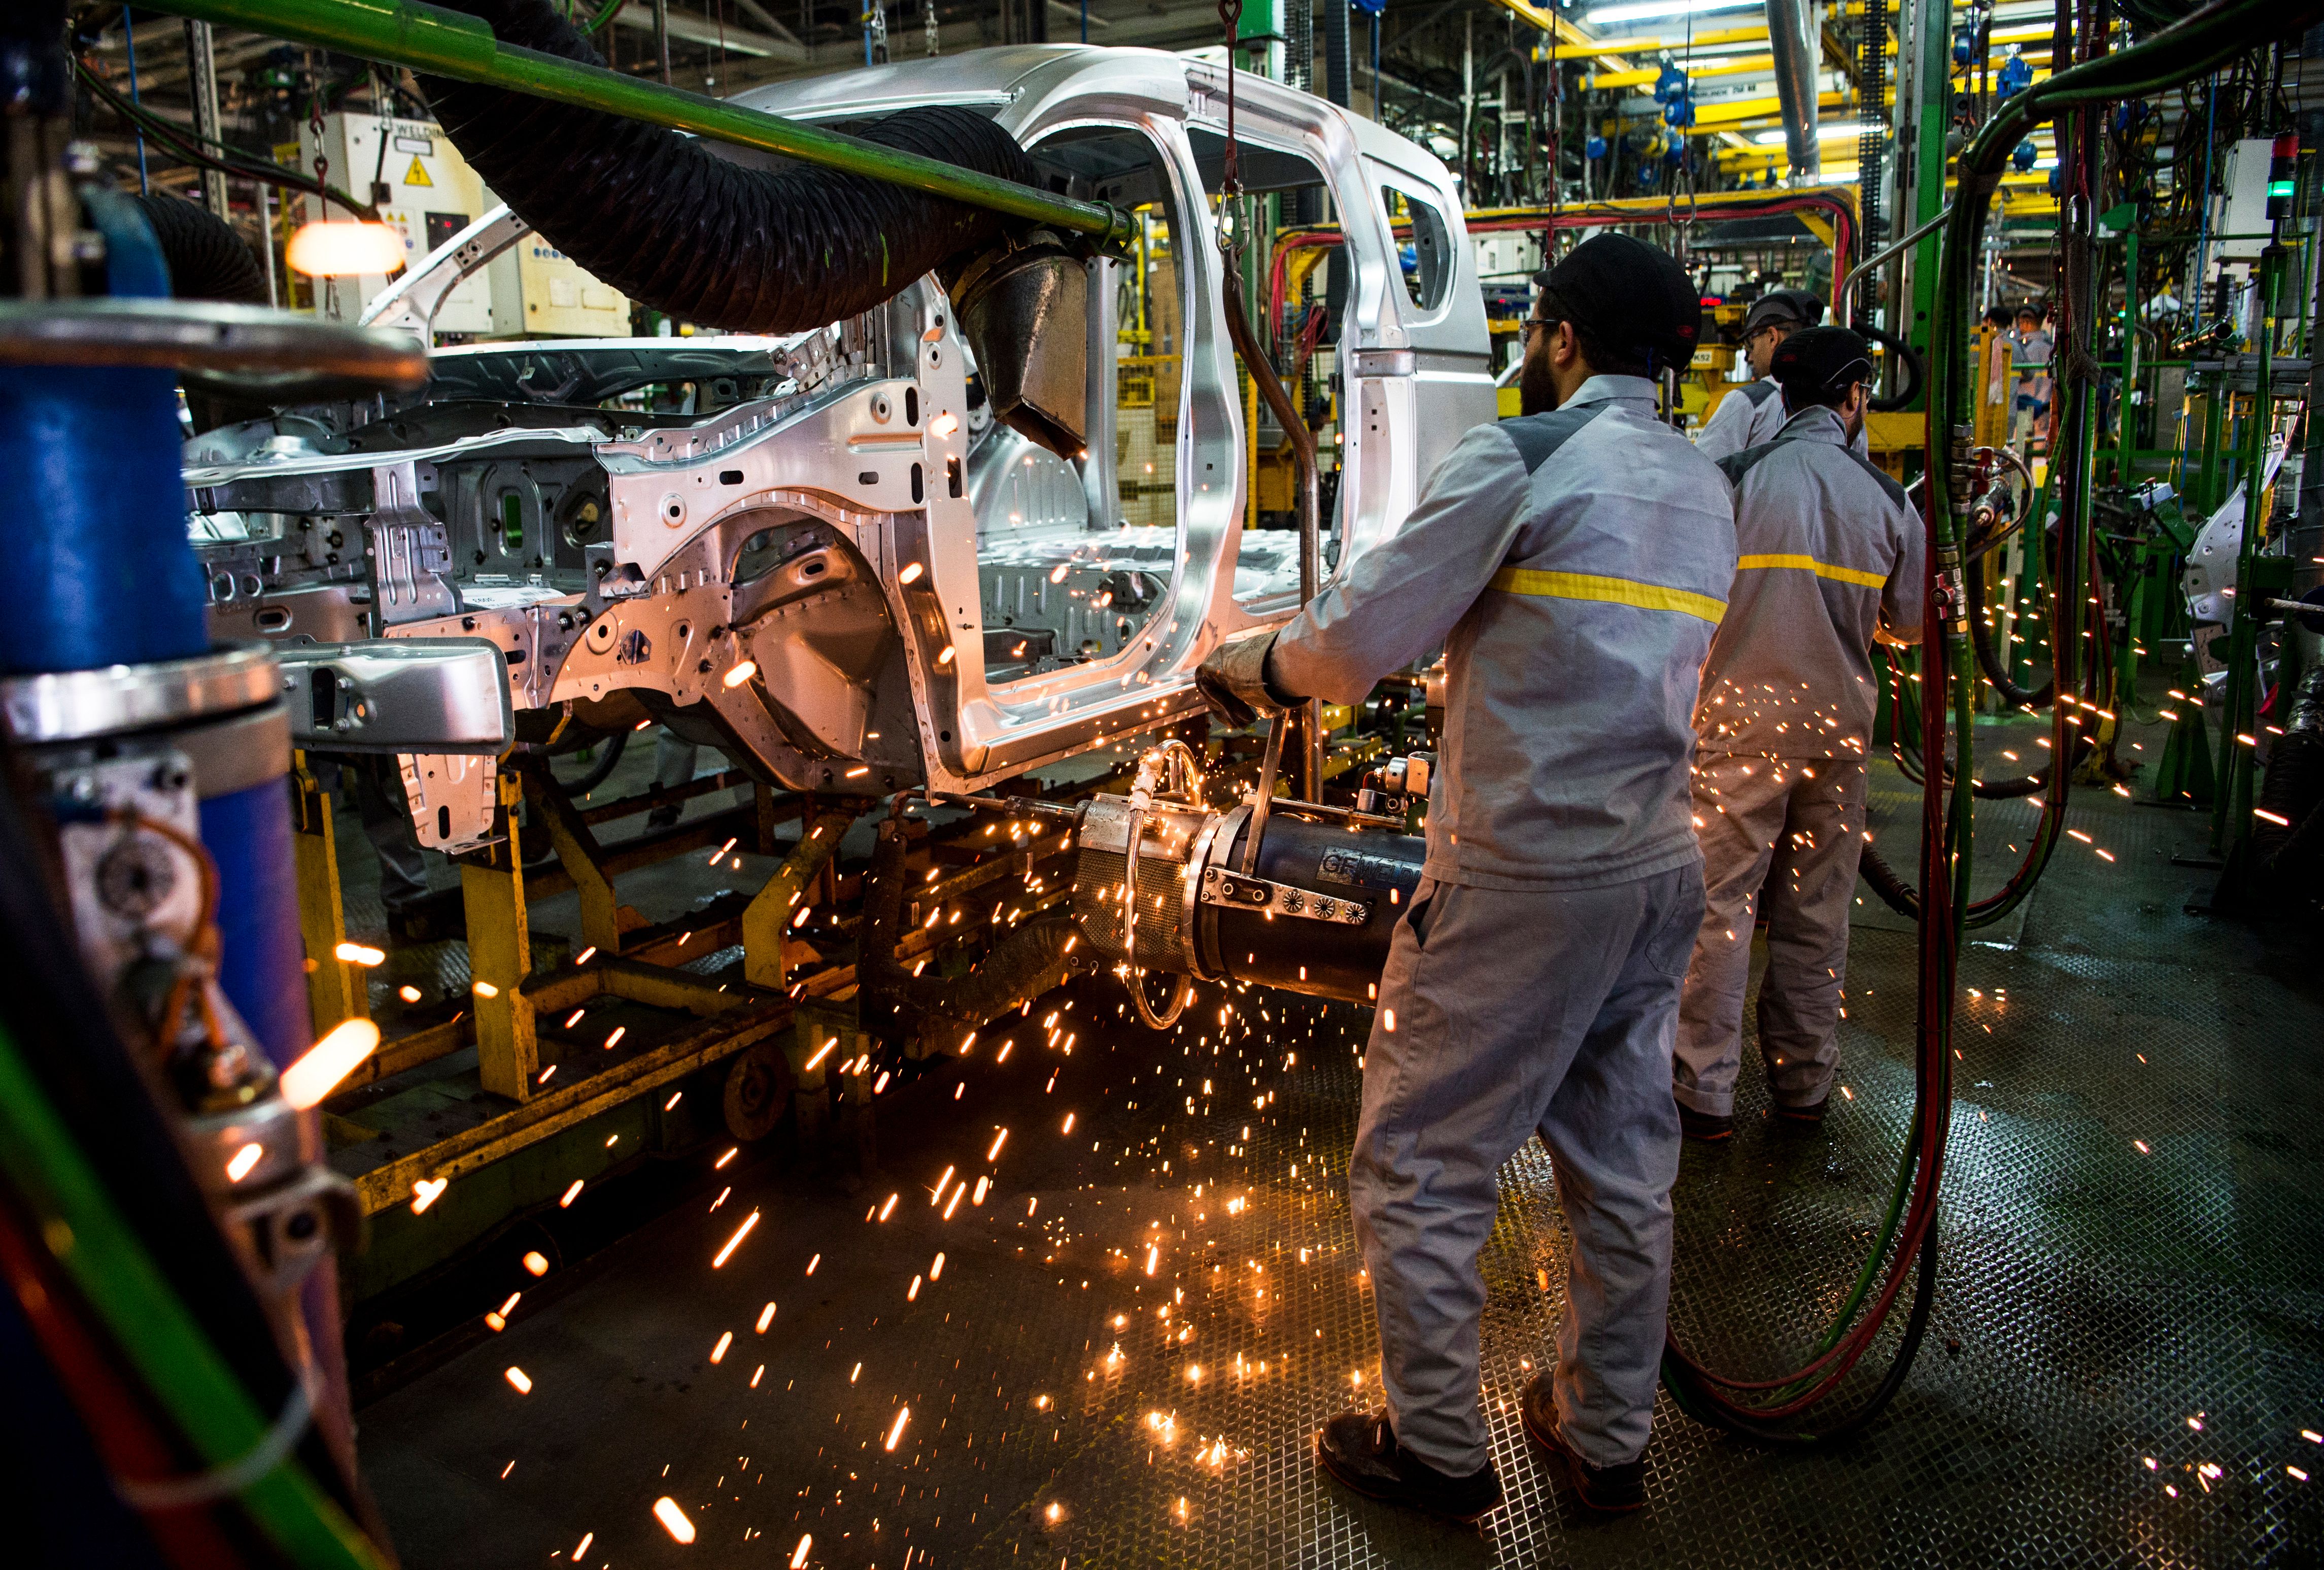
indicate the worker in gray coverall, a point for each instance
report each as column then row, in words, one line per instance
column 1753, row 412
column 1572, row 564
column 1829, row 559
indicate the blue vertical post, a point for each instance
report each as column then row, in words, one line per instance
column 93, row 521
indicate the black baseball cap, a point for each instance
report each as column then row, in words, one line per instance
column 1630, row 295
column 1793, row 307
column 1821, row 361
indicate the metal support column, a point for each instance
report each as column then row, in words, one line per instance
column 334, row 988
column 768, row 919
column 201, row 63
column 500, row 957
column 604, row 918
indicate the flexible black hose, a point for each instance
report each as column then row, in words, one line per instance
column 1988, row 657
column 1695, row 1400
column 2283, row 855
column 1906, row 356
column 1894, row 893
column 207, row 260
column 674, row 225
column 1030, row 961
column 603, row 768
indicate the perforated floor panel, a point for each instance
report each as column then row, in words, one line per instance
column 2127, row 1347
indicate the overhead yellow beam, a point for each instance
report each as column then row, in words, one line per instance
column 1569, row 35
column 1729, row 114
column 1642, row 75
column 1645, row 75
column 1704, row 38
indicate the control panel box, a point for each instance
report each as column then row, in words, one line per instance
column 423, row 188
column 539, row 291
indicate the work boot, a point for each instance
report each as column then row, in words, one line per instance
column 1810, row 1115
column 1607, row 1490
column 1709, row 1127
column 665, row 817
column 1360, row 1450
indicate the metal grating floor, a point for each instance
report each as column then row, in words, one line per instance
column 2098, row 1299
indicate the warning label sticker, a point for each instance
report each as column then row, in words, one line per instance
column 417, row 174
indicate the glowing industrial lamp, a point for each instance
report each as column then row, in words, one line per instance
column 344, row 250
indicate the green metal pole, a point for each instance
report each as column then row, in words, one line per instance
column 2231, row 808
column 2126, row 389
column 447, row 44
column 1929, row 159
column 75, row 1216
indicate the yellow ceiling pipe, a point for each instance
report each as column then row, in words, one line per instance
column 1719, row 116
column 1642, row 75
column 1646, row 76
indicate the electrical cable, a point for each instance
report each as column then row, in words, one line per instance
column 189, row 145
column 602, row 768
column 2191, row 48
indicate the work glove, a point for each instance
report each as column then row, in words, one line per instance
column 1234, row 679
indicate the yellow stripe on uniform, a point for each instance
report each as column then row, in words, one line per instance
column 1810, row 564
column 1615, row 591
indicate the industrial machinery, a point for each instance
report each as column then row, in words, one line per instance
column 890, row 526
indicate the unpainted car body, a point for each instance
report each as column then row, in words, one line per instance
column 817, row 560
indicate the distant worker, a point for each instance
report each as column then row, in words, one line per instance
column 1753, row 412
column 1573, row 565
column 1828, row 561
column 2030, row 346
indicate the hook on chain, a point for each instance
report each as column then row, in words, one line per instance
column 1234, row 214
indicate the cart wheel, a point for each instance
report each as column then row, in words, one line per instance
column 758, row 1086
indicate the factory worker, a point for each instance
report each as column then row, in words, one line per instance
column 2031, row 344
column 1753, row 412
column 1829, row 560
column 1572, row 564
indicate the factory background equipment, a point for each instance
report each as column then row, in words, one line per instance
column 894, row 437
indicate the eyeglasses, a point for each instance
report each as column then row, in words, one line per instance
column 1528, row 328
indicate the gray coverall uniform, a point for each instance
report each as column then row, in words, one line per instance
column 1751, row 417
column 1744, row 417
column 1829, row 549
column 1573, row 565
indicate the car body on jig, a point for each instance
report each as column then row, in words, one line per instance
column 820, row 552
